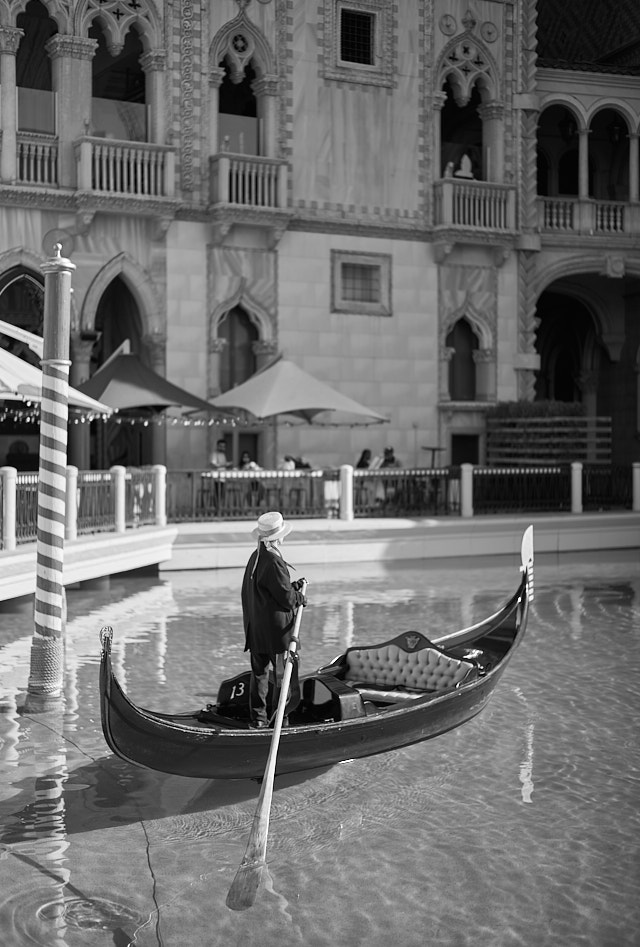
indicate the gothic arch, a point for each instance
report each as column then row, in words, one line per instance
column 242, row 42
column 480, row 69
column 476, row 320
column 116, row 27
column 138, row 281
column 58, row 10
column 257, row 313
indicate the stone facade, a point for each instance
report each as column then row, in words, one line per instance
column 360, row 178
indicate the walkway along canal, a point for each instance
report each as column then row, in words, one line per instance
column 126, row 519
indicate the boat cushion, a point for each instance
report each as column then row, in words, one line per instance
column 395, row 664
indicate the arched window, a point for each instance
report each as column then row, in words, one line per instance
column 238, row 113
column 461, row 133
column 462, row 367
column 237, row 361
column 36, row 101
column 118, row 104
column 21, row 305
column 117, row 319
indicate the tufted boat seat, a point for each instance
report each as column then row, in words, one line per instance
column 410, row 663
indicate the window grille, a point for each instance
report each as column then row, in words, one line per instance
column 360, row 283
column 356, row 37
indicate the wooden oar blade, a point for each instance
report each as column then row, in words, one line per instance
column 243, row 891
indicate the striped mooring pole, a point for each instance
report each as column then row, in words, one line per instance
column 45, row 687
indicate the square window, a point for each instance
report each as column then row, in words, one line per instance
column 356, row 37
column 361, row 283
column 358, row 41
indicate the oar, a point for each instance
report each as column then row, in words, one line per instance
column 242, row 892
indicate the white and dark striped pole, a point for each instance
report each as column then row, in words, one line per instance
column 45, row 687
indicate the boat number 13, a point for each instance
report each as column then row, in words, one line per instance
column 237, row 690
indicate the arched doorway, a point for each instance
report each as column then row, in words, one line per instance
column 21, row 305
column 126, row 439
column 237, row 364
column 566, row 343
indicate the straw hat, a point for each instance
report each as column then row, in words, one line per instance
column 271, row 526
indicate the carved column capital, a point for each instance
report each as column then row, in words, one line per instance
column 62, row 46
column 217, row 346
column 263, row 347
column 216, row 76
column 154, row 61
column 266, row 85
column 10, row 40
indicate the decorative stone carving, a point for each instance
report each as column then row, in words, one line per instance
column 186, row 95
column 614, row 266
column 10, row 40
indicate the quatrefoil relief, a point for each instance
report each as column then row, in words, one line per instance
column 238, row 54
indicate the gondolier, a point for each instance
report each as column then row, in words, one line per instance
column 269, row 603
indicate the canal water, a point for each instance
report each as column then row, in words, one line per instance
column 520, row 828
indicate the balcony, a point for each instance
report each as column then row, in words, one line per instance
column 474, row 205
column 125, row 168
column 37, row 160
column 248, row 189
column 586, row 216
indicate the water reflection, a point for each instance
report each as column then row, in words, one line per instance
column 92, row 846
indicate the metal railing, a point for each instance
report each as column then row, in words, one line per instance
column 607, row 487
column 522, row 489
column 406, row 492
column 120, row 499
column 243, row 494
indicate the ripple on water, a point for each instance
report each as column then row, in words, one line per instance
column 47, row 917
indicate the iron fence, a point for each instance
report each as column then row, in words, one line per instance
column 522, row 489
column 26, row 507
column 95, row 502
column 244, row 494
column 606, row 487
column 139, row 497
column 406, row 492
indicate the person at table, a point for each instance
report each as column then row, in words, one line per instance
column 269, row 604
column 389, row 459
column 365, row 460
column 246, row 463
column 218, row 459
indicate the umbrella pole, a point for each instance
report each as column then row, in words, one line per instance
column 44, row 690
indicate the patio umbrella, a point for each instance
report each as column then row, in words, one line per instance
column 125, row 382
column 20, row 381
column 283, row 388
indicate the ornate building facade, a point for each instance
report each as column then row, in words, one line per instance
column 431, row 205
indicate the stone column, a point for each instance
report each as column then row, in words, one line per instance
column 155, row 344
column 485, row 362
column 634, row 172
column 216, row 75
column 153, row 65
column 71, row 58
column 438, row 101
column 266, row 92
column 583, row 164
column 215, row 349
column 492, row 116
column 9, row 42
column 446, row 354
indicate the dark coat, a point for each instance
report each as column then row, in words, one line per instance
column 268, row 603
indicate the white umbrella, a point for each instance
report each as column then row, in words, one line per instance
column 283, row 388
column 20, row 381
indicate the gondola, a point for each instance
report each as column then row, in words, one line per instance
column 370, row 699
